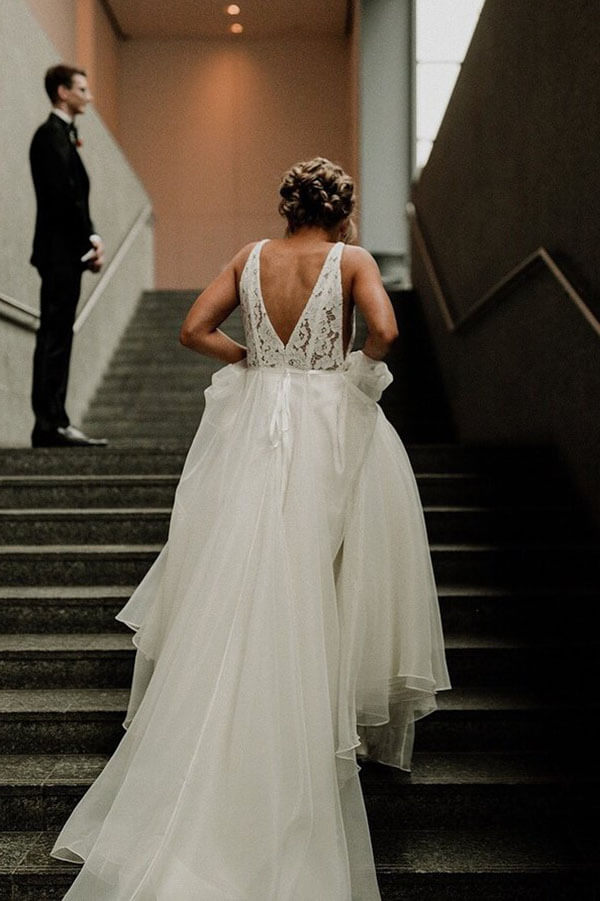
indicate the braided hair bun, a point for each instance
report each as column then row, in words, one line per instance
column 317, row 192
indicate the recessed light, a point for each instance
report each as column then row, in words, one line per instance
column 232, row 10
column 236, row 28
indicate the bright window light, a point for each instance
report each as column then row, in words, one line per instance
column 444, row 29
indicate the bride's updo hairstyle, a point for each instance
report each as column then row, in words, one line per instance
column 317, row 192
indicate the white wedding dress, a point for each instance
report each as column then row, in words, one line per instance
column 290, row 622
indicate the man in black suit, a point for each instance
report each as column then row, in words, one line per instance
column 65, row 243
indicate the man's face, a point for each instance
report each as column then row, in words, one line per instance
column 77, row 96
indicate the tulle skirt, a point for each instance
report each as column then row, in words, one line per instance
column 290, row 622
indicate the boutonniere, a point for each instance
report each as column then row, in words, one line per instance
column 74, row 137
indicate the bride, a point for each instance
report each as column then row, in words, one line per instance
column 290, row 623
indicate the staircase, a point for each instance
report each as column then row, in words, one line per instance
column 153, row 391
column 504, row 785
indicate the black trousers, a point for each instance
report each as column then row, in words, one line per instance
column 61, row 284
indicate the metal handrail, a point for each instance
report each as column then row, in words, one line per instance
column 112, row 267
column 541, row 254
column 19, row 313
column 29, row 318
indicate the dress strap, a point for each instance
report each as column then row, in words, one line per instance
column 250, row 270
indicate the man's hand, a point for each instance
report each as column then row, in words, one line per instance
column 97, row 259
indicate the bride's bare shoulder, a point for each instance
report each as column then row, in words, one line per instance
column 241, row 257
column 356, row 259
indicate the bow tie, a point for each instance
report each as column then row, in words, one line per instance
column 72, row 132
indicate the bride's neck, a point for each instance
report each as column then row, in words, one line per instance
column 315, row 234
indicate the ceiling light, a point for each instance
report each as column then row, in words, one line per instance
column 232, row 10
column 236, row 28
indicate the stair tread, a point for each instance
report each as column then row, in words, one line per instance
column 61, row 700
column 86, row 478
column 481, row 851
column 495, row 591
column 458, row 699
column 106, row 641
column 82, row 549
column 475, row 592
column 428, row 769
column 485, row 546
column 448, row 851
column 26, row 479
column 68, row 592
column 488, row 509
column 50, row 769
column 36, row 513
column 439, row 547
column 75, row 642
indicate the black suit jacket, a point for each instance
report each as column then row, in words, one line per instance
column 63, row 225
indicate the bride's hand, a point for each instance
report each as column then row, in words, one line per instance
column 200, row 330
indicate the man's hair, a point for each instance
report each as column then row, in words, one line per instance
column 57, row 75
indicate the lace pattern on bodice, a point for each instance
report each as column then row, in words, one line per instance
column 317, row 339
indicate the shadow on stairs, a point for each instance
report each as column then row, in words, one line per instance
column 503, row 798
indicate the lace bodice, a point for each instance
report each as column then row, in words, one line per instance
column 317, row 339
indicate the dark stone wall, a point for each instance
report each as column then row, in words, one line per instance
column 515, row 166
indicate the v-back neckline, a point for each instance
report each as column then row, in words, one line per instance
column 286, row 344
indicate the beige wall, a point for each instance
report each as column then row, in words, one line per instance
column 98, row 53
column 353, row 86
column 211, row 125
column 83, row 36
column 58, row 19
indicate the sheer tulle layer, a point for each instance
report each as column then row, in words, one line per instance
column 292, row 608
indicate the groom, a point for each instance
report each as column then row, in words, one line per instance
column 64, row 245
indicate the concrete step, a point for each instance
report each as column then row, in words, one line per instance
column 457, row 864
column 45, row 525
column 515, row 565
column 478, row 789
column 164, row 334
column 60, row 608
column 149, row 396
column 156, row 489
column 498, row 523
column 152, row 317
column 170, row 352
column 61, row 660
column 146, row 430
column 167, row 458
column 144, row 381
column 145, row 373
column 71, row 721
column 89, row 720
column 145, row 490
column 510, row 566
column 75, row 564
column 530, row 613
column 105, row 660
column 143, row 525
column 482, row 790
column 119, row 417
column 534, row 614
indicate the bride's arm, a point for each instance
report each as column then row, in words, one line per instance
column 200, row 330
column 370, row 297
